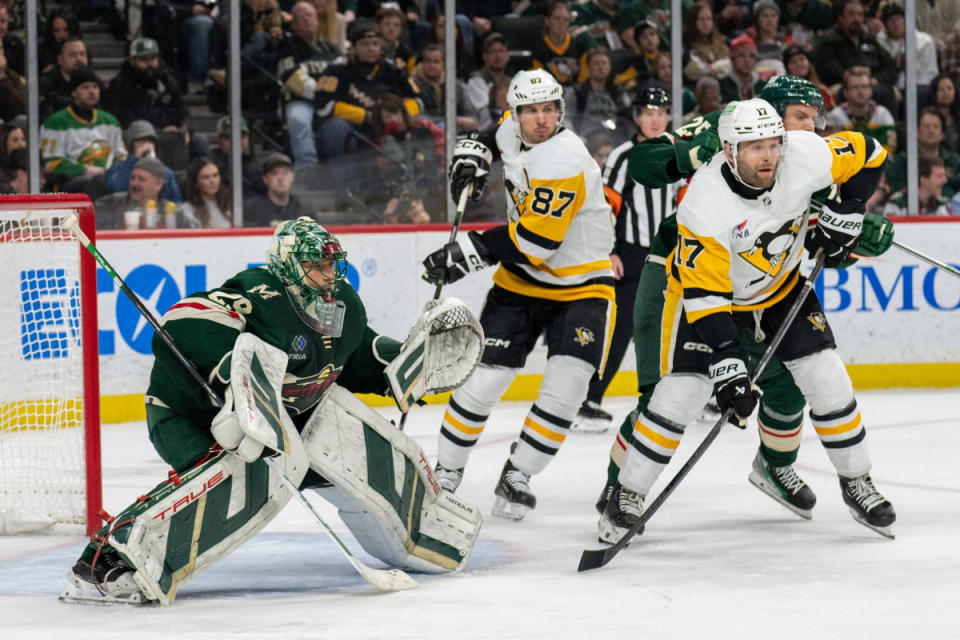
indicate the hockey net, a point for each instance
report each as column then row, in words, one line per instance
column 49, row 395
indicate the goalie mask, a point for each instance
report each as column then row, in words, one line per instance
column 310, row 262
column 749, row 120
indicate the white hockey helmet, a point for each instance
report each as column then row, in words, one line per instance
column 532, row 87
column 747, row 120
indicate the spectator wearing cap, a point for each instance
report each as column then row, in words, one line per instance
column 707, row 48
column 146, row 89
column 893, row 38
column 277, row 204
column 597, row 103
column 556, row 50
column 54, row 85
column 638, row 68
column 141, row 139
column 348, row 91
column 80, row 142
column 767, row 36
column 861, row 113
column 846, row 46
column 797, row 62
column 146, row 183
column 13, row 89
column 743, row 82
column 304, row 57
column 220, row 154
column 476, row 92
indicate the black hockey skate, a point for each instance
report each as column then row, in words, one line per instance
column 867, row 505
column 513, row 493
column 621, row 513
column 591, row 419
column 448, row 479
column 783, row 485
column 107, row 580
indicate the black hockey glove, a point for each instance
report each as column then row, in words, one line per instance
column 456, row 259
column 731, row 384
column 470, row 165
column 837, row 231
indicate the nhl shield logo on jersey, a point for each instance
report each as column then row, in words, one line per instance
column 771, row 248
column 818, row 320
column 584, row 336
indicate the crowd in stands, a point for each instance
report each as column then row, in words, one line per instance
column 344, row 101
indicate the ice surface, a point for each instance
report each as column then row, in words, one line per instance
column 720, row 559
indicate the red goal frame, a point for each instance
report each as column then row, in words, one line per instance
column 82, row 206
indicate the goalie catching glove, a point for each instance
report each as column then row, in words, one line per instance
column 731, row 384
column 440, row 353
column 837, row 231
column 470, row 166
column 457, row 259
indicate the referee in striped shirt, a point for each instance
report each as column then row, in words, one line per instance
column 639, row 211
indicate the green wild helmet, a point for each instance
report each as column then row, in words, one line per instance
column 303, row 240
column 781, row 91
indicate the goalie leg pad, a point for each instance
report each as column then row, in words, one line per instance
column 189, row 523
column 833, row 409
column 385, row 490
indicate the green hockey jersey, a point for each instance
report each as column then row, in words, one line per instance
column 69, row 144
column 205, row 326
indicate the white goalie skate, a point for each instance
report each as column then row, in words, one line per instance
column 110, row 582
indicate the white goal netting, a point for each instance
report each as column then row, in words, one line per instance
column 42, row 454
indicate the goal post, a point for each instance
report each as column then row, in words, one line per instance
column 49, row 374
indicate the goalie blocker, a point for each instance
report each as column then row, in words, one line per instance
column 382, row 485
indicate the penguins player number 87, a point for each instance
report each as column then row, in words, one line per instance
column 543, row 198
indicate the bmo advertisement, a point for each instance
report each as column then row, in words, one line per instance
column 895, row 317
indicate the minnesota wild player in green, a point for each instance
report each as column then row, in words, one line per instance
column 286, row 345
column 671, row 157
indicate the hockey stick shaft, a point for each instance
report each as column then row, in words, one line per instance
column 594, row 558
column 941, row 265
column 385, row 580
column 461, row 206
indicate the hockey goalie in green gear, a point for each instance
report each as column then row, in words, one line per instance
column 672, row 157
column 286, row 345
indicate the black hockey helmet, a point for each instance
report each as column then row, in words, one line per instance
column 652, row 98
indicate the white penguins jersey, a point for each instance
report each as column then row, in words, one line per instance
column 558, row 218
column 738, row 254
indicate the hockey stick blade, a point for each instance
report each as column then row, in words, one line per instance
column 592, row 559
column 382, row 579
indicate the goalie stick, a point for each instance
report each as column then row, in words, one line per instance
column 461, row 207
column 382, row 579
column 595, row 558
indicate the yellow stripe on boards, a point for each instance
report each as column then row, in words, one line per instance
column 526, row 387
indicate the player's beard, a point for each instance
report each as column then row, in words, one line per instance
column 753, row 178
